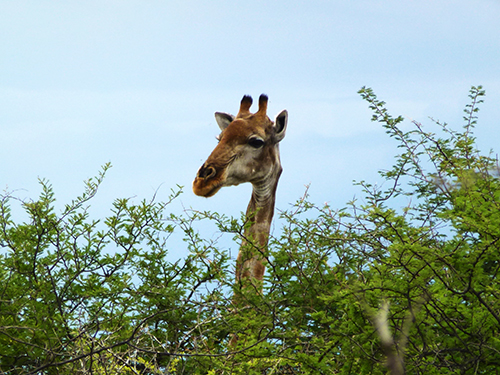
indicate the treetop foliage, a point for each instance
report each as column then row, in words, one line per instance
column 404, row 280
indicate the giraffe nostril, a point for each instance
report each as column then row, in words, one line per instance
column 207, row 172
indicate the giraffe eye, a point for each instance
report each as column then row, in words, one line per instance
column 256, row 142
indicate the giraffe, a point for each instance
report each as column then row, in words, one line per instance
column 248, row 151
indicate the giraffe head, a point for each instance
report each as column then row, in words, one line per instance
column 247, row 150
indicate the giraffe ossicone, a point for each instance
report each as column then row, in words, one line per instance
column 248, row 151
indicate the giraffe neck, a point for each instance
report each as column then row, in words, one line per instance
column 260, row 212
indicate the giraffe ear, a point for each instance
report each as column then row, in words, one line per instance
column 280, row 125
column 223, row 119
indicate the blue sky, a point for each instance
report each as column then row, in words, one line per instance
column 136, row 83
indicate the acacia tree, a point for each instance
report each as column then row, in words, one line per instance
column 405, row 279
column 427, row 247
column 80, row 295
